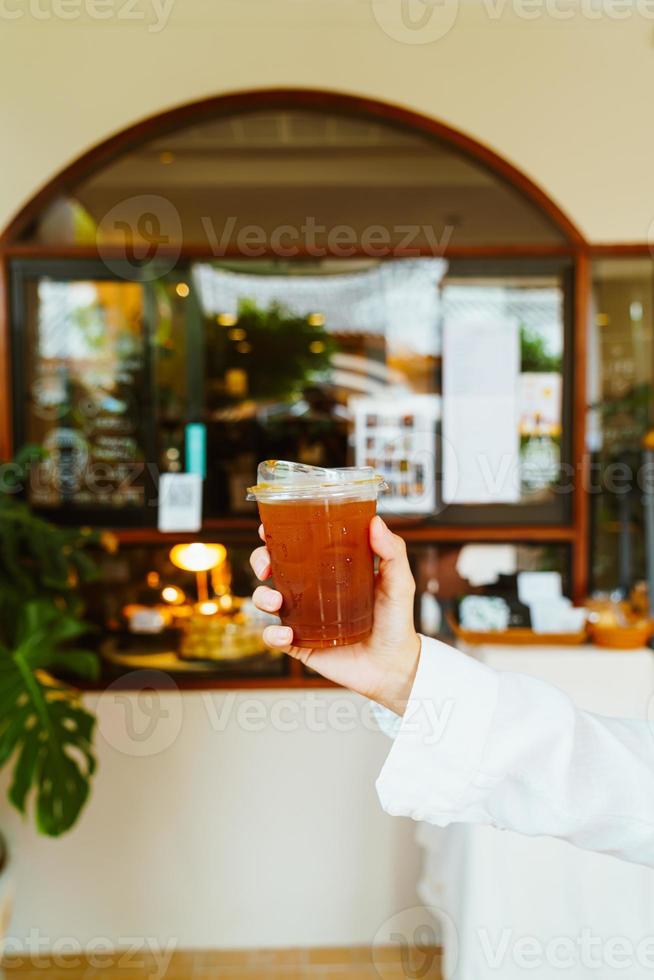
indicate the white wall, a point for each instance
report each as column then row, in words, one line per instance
column 566, row 100
column 222, row 836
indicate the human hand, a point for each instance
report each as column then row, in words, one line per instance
column 381, row 667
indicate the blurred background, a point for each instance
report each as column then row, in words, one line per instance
column 394, row 233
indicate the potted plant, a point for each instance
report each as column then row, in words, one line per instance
column 45, row 732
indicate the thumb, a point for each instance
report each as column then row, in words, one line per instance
column 394, row 569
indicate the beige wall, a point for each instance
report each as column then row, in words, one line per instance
column 566, row 100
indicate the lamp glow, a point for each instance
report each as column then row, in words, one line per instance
column 197, row 557
column 172, row 594
column 208, row 608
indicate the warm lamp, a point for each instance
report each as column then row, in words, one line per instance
column 209, row 608
column 173, row 595
column 199, row 558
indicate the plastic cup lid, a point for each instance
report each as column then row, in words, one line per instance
column 279, row 479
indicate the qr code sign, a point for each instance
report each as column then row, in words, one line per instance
column 180, row 502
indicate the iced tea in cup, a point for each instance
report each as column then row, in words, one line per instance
column 317, row 532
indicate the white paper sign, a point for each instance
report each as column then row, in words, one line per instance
column 481, row 366
column 537, row 586
column 180, row 502
column 396, row 435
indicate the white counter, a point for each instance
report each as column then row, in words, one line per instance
column 243, row 819
column 540, row 908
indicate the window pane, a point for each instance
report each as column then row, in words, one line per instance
column 341, row 363
column 534, row 306
column 445, row 573
column 308, row 180
column 87, row 383
column 620, row 386
column 155, row 615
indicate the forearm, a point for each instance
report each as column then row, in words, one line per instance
column 480, row 746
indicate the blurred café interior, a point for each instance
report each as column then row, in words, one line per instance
column 300, row 344
column 301, row 273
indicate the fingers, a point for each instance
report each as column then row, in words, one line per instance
column 394, row 568
column 278, row 637
column 267, row 600
column 384, row 543
column 260, row 562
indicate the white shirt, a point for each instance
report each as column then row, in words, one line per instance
column 477, row 745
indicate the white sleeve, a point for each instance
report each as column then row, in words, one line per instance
column 478, row 745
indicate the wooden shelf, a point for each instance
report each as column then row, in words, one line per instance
column 410, row 530
column 134, row 681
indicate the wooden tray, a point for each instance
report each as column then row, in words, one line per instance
column 517, row 636
column 622, row 637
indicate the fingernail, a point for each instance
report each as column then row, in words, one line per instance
column 261, row 567
column 279, row 635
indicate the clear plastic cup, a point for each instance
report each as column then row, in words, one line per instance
column 317, row 532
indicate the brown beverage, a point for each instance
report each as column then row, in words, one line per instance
column 323, row 566
column 317, row 533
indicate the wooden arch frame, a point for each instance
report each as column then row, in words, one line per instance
column 574, row 534
column 252, row 100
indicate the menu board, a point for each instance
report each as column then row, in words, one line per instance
column 86, row 382
column 396, row 435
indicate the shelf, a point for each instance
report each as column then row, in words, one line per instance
column 408, row 528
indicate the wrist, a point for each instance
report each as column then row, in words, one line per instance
column 399, row 682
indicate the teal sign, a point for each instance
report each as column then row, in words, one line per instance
column 196, row 449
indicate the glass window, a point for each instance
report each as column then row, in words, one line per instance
column 280, row 180
column 100, row 385
column 336, row 363
column 537, row 303
column 86, row 383
column 155, row 614
column 329, row 362
column 620, row 393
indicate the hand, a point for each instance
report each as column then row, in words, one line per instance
column 383, row 666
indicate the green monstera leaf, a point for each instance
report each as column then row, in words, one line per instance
column 43, row 725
